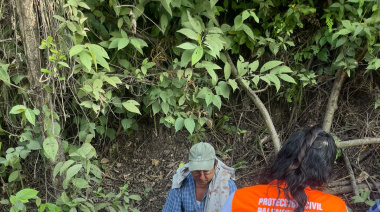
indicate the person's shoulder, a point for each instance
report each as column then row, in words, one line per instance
column 252, row 189
column 187, row 181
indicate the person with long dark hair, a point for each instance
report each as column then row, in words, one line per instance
column 295, row 179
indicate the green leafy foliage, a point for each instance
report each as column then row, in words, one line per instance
column 129, row 63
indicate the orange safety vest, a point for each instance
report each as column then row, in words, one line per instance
column 264, row 198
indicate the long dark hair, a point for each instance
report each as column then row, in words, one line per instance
column 305, row 160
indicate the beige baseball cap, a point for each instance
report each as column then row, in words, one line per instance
column 201, row 157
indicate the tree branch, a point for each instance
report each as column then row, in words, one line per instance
column 345, row 189
column 259, row 104
column 351, row 173
column 332, row 104
column 358, row 142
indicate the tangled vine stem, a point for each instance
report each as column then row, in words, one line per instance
column 259, row 104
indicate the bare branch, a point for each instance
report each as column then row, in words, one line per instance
column 259, row 104
column 358, row 142
column 351, row 173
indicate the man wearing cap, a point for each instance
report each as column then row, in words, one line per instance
column 203, row 184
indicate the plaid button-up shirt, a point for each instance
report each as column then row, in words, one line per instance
column 183, row 199
column 375, row 208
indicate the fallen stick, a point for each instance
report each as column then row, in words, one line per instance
column 358, row 142
column 351, row 173
column 345, row 189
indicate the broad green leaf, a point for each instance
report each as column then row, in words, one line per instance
column 17, row 109
column 212, row 3
column 43, row 70
column 72, row 171
column 76, row 50
column 255, row 16
column 186, row 57
column 123, row 34
column 256, row 79
column 245, row 15
column 80, row 183
column 60, row 18
column 36, row 111
column 273, row 78
column 214, row 77
column 130, row 105
column 194, row 23
column 253, row 66
column 189, row 125
column 248, row 31
column 180, row 74
column 84, row 5
column 197, row 55
column 86, row 151
column 50, row 146
column 114, row 43
column 156, row 107
column 164, row 22
column 100, row 206
column 340, row 42
column 99, row 50
column 179, row 123
column 65, row 166
column 343, row 32
column 217, row 101
column 33, row 145
column 189, row 33
column 30, row 116
column 17, row 78
column 347, row 24
column 26, row 194
column 233, row 84
column 24, row 153
column 126, row 123
column 223, row 89
column 113, row 80
column 187, row 45
column 165, row 4
column 181, row 100
column 87, row 104
column 57, row 168
column 120, row 23
column 71, row 26
column 98, row 59
column 135, row 197
column 287, row 78
column 359, row 28
column 270, row 65
column 137, row 45
column 281, row 70
column 64, row 64
column 274, row 47
column 227, row 71
column 122, row 43
column 4, row 73
column 238, row 22
column 209, row 97
column 13, row 176
column 165, row 107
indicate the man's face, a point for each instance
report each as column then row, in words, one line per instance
column 203, row 177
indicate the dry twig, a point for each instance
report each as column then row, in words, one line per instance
column 351, row 173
